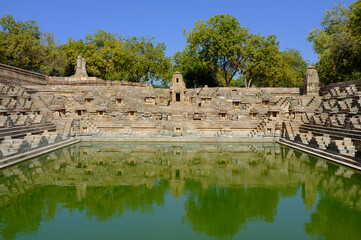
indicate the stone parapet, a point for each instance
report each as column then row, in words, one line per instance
column 16, row 76
column 89, row 81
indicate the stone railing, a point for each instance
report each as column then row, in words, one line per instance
column 15, row 76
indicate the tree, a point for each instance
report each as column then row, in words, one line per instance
column 111, row 57
column 101, row 50
column 355, row 19
column 23, row 45
column 268, row 67
column 261, row 63
column 294, row 68
column 336, row 44
column 219, row 43
column 145, row 60
column 227, row 51
column 195, row 72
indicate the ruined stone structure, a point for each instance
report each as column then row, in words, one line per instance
column 80, row 68
column 92, row 109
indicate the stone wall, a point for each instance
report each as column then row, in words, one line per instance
column 120, row 112
column 15, row 76
column 95, row 109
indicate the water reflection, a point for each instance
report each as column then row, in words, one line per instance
column 222, row 212
column 226, row 187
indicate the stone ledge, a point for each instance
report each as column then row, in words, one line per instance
column 34, row 153
column 178, row 139
column 322, row 154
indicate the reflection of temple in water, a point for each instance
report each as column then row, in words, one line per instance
column 93, row 164
column 96, row 171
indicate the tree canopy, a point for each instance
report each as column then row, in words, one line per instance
column 195, row 72
column 109, row 56
column 338, row 44
column 218, row 52
column 225, row 49
column 220, row 44
column 24, row 45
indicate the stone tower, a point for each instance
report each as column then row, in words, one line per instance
column 311, row 82
column 177, row 88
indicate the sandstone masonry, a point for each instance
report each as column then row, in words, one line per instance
column 34, row 114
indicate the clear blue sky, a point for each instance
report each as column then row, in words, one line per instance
column 289, row 20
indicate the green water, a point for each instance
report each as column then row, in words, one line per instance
column 179, row 191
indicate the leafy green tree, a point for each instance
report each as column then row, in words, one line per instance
column 336, row 44
column 230, row 54
column 24, row 45
column 268, row 67
column 355, row 19
column 261, row 65
column 195, row 72
column 294, row 68
column 54, row 58
column 219, row 43
column 102, row 51
column 145, row 60
column 111, row 57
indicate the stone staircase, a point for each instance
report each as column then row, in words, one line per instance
column 21, row 131
column 334, row 128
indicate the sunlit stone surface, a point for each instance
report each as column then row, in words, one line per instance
column 179, row 191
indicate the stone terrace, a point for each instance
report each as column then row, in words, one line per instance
column 34, row 115
column 180, row 114
column 335, row 126
column 24, row 124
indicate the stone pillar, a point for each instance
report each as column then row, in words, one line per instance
column 83, row 68
column 311, row 82
column 78, row 71
column 80, row 68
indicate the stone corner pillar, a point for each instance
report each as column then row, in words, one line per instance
column 311, row 82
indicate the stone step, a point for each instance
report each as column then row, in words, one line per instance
column 336, row 132
column 18, row 132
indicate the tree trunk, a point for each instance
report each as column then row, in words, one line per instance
column 249, row 83
column 214, row 76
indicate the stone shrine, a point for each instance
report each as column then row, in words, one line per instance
column 311, row 82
